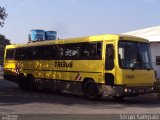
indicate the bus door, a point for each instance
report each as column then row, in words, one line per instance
column 109, row 63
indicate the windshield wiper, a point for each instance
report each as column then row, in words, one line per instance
column 146, row 66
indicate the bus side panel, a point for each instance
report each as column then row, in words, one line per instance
column 72, row 70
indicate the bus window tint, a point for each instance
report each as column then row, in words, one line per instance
column 99, row 50
column 57, row 52
column 32, row 53
column 10, row 54
column 134, row 55
column 44, row 53
column 83, row 51
column 20, row 54
column 91, row 51
column 72, row 51
column 54, row 52
column 109, row 57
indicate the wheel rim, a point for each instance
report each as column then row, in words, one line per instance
column 91, row 90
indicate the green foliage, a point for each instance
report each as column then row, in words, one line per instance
column 3, row 43
column 3, row 40
column 3, row 16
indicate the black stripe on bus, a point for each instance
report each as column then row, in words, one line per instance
column 62, row 80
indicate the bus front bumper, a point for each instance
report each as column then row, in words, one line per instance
column 127, row 91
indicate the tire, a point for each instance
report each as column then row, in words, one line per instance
column 31, row 83
column 91, row 90
column 23, row 84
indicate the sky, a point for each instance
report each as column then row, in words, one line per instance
column 77, row 18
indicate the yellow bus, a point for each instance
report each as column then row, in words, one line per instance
column 103, row 65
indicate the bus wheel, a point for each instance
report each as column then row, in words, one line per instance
column 90, row 90
column 31, row 83
column 22, row 82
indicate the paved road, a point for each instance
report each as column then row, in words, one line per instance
column 13, row 100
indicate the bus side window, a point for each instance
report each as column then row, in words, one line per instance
column 10, row 54
column 20, row 54
column 31, row 53
column 85, row 51
column 45, row 53
column 53, row 52
column 72, row 51
column 91, row 51
column 34, row 53
column 109, row 65
column 57, row 52
column 99, row 50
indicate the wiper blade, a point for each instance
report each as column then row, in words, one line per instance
column 146, row 65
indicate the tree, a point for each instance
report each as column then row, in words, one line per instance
column 3, row 16
column 3, row 43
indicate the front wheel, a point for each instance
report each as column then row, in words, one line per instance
column 91, row 90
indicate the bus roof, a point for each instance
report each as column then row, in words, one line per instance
column 82, row 39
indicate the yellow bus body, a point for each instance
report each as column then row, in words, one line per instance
column 83, row 69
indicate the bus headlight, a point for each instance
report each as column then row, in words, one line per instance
column 125, row 90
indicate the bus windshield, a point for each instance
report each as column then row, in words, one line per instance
column 134, row 55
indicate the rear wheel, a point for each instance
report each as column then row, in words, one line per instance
column 31, row 83
column 91, row 90
column 23, row 84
